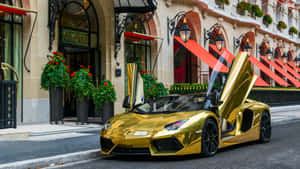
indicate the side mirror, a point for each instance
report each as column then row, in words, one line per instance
column 126, row 102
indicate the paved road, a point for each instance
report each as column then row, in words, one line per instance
column 283, row 152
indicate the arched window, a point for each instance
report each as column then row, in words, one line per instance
column 79, row 41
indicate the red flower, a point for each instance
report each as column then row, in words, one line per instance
column 59, row 57
column 68, row 67
column 155, row 87
column 55, row 53
column 105, row 83
column 89, row 66
column 90, row 74
column 57, row 63
column 63, row 61
column 61, row 53
column 52, row 61
column 73, row 74
column 81, row 66
column 49, row 63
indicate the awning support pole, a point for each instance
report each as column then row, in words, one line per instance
column 29, row 41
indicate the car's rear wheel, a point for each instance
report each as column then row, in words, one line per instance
column 265, row 128
column 210, row 138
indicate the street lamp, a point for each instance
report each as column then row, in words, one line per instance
column 269, row 54
column 185, row 32
column 297, row 60
column 284, row 57
column 248, row 48
column 219, row 42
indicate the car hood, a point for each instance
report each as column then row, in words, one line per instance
column 152, row 123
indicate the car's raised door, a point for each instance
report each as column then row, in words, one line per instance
column 239, row 83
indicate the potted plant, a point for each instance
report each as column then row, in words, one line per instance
column 281, row 25
column 293, row 30
column 256, row 11
column 104, row 97
column 267, row 20
column 82, row 85
column 54, row 78
column 243, row 6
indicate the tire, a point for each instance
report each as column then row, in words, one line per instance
column 265, row 128
column 210, row 138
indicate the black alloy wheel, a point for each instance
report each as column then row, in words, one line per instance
column 210, row 138
column 265, row 128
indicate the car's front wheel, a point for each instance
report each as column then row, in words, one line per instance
column 265, row 128
column 210, row 138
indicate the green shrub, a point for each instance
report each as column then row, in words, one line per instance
column 267, row 20
column 187, row 88
column 293, row 30
column 281, row 25
column 257, row 11
column 244, row 6
column 55, row 73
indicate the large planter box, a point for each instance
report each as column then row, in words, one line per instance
column 276, row 97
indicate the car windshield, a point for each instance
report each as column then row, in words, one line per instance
column 200, row 101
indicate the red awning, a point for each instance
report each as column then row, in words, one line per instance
column 223, row 53
column 294, row 66
column 15, row 10
column 203, row 55
column 260, row 82
column 295, row 82
column 138, row 36
column 230, row 57
column 293, row 72
column 268, row 72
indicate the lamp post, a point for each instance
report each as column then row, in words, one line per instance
column 297, row 61
column 269, row 54
column 185, row 32
column 248, row 48
column 219, row 42
column 284, row 57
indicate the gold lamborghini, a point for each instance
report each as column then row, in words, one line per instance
column 190, row 124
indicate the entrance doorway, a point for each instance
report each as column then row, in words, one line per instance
column 79, row 41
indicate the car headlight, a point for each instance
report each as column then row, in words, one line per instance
column 107, row 125
column 174, row 126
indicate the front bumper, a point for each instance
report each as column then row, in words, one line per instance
column 180, row 144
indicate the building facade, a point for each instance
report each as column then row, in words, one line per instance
column 89, row 32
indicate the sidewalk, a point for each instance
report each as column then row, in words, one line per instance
column 44, row 140
column 46, row 144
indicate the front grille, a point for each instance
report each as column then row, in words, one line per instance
column 106, row 144
column 132, row 151
column 167, row 144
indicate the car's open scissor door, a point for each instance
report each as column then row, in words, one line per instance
column 237, row 88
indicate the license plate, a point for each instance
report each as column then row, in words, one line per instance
column 140, row 133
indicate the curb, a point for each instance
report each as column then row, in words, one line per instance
column 53, row 161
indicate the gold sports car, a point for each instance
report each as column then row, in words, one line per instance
column 191, row 124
